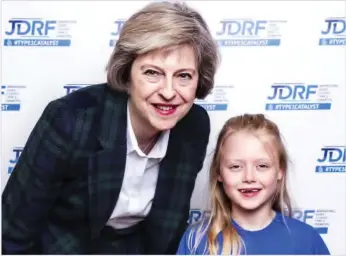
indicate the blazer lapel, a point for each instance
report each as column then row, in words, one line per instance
column 175, row 182
column 106, row 167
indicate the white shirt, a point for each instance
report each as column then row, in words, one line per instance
column 140, row 179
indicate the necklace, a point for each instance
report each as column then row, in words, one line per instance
column 149, row 143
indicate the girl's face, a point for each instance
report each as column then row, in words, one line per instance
column 249, row 171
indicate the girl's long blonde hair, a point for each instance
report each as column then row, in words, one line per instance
column 220, row 218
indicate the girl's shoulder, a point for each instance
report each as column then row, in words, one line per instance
column 294, row 224
column 304, row 235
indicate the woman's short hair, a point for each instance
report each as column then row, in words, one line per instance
column 160, row 25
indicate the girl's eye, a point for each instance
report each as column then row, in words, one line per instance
column 263, row 166
column 235, row 167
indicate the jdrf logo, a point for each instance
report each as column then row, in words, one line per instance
column 118, row 25
column 197, row 215
column 332, row 160
column 17, row 151
column 334, row 32
column 38, row 32
column 318, row 218
column 294, row 96
column 217, row 100
column 69, row 88
column 11, row 97
column 234, row 32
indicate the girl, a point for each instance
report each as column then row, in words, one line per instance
column 248, row 196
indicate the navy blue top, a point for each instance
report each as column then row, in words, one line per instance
column 292, row 237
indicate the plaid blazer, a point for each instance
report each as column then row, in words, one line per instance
column 66, row 183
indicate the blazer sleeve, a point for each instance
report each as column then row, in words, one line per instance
column 199, row 129
column 36, row 180
column 203, row 128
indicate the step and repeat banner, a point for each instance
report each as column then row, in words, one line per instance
column 285, row 59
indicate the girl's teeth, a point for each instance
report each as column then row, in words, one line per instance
column 248, row 190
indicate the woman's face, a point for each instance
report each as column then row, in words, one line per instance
column 163, row 86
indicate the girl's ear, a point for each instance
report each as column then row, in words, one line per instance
column 219, row 178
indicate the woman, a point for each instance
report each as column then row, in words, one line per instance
column 110, row 169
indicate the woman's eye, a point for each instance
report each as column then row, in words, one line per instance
column 185, row 76
column 151, row 72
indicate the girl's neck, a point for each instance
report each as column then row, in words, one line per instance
column 253, row 220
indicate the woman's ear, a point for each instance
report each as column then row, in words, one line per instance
column 280, row 174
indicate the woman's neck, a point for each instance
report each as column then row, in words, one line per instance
column 145, row 134
column 253, row 220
